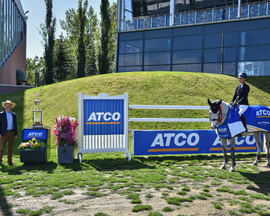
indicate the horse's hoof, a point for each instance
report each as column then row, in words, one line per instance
column 223, row 167
column 267, row 164
column 255, row 164
column 232, row 170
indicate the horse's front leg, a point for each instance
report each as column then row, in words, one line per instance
column 259, row 147
column 225, row 158
column 232, row 144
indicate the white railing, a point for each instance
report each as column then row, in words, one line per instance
column 195, row 17
column 168, row 119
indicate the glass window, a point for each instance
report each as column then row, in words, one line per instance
column 158, row 33
column 253, row 53
column 255, row 68
column 131, row 46
column 158, row 58
column 130, row 59
column 221, row 27
column 229, row 68
column 213, row 40
column 162, row 44
column 230, row 39
column 212, row 55
column 212, row 68
column 192, row 30
column 129, row 69
column 163, row 7
column 187, row 42
column 187, row 67
column 179, row 5
column 130, row 36
column 187, row 56
column 139, row 8
column 229, row 54
column 157, row 68
column 261, row 36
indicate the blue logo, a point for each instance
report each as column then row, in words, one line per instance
column 29, row 134
column 103, row 117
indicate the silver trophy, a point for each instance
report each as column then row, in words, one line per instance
column 37, row 114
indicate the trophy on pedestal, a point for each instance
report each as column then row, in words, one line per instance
column 37, row 114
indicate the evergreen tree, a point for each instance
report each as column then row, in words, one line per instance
column 81, row 44
column 61, row 62
column 104, row 64
column 48, row 35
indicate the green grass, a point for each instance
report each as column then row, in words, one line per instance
column 102, row 174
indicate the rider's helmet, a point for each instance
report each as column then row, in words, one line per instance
column 242, row 75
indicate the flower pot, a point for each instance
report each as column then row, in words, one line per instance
column 30, row 155
column 65, row 154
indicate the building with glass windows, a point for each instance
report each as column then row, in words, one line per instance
column 12, row 44
column 211, row 36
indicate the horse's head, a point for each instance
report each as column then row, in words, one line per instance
column 214, row 113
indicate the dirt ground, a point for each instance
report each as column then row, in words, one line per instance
column 115, row 204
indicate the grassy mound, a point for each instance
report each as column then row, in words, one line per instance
column 148, row 88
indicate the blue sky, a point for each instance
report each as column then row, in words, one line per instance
column 36, row 16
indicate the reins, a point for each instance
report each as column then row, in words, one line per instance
column 220, row 114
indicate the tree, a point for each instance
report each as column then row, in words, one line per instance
column 104, row 63
column 33, row 66
column 48, row 37
column 112, row 36
column 90, row 37
column 62, row 61
column 81, row 44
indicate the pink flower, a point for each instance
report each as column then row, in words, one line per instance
column 65, row 130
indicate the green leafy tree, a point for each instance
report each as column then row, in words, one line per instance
column 104, row 62
column 48, row 31
column 33, row 66
column 72, row 26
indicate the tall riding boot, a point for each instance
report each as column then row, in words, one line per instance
column 244, row 121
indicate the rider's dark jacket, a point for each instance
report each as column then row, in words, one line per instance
column 241, row 95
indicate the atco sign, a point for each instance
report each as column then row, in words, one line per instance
column 184, row 142
column 102, row 117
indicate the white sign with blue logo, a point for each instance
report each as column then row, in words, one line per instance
column 104, row 124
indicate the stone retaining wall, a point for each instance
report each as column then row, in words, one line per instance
column 5, row 89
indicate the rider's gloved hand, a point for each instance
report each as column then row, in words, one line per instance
column 231, row 103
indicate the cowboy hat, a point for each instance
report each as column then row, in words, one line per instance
column 8, row 102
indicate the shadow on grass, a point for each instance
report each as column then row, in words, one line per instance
column 49, row 167
column 5, row 210
column 261, row 179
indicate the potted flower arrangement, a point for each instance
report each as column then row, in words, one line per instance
column 66, row 138
column 33, row 151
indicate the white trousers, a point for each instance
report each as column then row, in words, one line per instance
column 242, row 109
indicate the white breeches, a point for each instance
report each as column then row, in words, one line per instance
column 242, row 109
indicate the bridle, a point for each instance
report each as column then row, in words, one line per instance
column 218, row 110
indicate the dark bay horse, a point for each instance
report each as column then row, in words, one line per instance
column 218, row 112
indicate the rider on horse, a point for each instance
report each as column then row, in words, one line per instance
column 241, row 96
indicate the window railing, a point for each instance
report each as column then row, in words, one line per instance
column 196, row 17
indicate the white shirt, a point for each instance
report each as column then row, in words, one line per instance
column 9, row 121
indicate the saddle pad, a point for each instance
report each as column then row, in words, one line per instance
column 232, row 125
column 258, row 118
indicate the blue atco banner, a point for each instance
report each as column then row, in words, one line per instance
column 38, row 134
column 103, row 117
column 185, row 142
